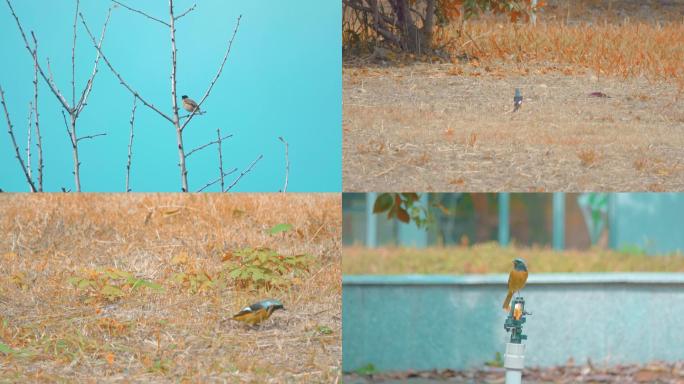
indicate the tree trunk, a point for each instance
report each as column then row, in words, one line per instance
column 413, row 39
column 77, row 163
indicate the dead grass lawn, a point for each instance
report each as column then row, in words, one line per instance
column 179, row 333
column 445, row 127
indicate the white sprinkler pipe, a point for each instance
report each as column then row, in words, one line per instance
column 514, row 362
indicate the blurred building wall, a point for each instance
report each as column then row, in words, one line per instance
column 651, row 223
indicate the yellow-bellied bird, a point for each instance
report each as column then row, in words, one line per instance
column 516, row 281
column 190, row 105
column 258, row 312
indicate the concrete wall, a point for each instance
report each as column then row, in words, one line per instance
column 425, row 322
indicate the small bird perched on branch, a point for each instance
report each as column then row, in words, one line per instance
column 258, row 312
column 516, row 281
column 517, row 100
column 190, row 105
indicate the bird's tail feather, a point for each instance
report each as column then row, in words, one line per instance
column 507, row 302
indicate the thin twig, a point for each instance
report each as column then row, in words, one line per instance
column 217, row 141
column 28, row 140
column 130, row 147
column 10, row 130
column 218, row 73
column 246, row 171
column 91, row 136
column 118, row 76
column 287, row 163
column 220, row 156
column 39, row 140
column 67, row 128
column 83, row 101
column 186, row 12
column 141, row 12
column 50, row 83
column 73, row 58
column 209, row 184
column 75, row 108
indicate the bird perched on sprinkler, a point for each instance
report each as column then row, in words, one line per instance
column 517, row 100
column 258, row 312
column 190, row 105
column 516, row 281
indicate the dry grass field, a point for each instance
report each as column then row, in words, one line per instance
column 491, row 258
column 447, row 125
column 136, row 288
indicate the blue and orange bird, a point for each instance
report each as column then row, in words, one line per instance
column 516, row 281
column 258, row 312
column 517, row 100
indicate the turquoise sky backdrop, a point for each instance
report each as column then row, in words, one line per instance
column 283, row 78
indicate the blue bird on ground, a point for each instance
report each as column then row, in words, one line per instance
column 517, row 100
column 258, row 312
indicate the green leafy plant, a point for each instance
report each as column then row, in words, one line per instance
column 404, row 207
column 497, row 362
column 264, row 267
column 594, row 207
column 367, row 369
column 6, row 349
column 279, row 228
column 194, row 281
column 110, row 284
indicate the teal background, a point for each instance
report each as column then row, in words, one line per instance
column 418, row 322
column 283, row 78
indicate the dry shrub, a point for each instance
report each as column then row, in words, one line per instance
column 623, row 50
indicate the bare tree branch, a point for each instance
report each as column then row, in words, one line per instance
column 218, row 73
column 39, row 140
column 220, row 156
column 174, row 103
column 71, row 132
column 130, row 147
column 74, row 109
column 287, row 163
column 73, row 59
column 217, row 141
column 28, row 140
column 209, row 184
column 50, row 83
column 10, row 130
column 91, row 136
column 118, row 76
column 83, row 101
column 142, row 13
column 66, row 125
column 186, row 12
column 243, row 173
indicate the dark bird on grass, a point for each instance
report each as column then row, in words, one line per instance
column 517, row 100
column 190, row 105
column 516, row 281
column 258, row 312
